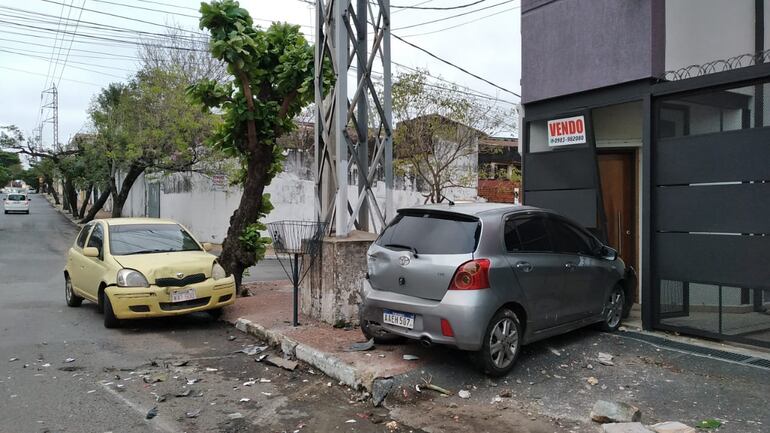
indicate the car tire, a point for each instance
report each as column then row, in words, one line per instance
column 72, row 299
column 612, row 313
column 110, row 321
column 216, row 313
column 502, row 344
column 374, row 332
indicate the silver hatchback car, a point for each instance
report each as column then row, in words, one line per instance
column 488, row 278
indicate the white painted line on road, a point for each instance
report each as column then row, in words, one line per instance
column 156, row 423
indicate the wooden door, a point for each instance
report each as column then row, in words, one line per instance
column 617, row 171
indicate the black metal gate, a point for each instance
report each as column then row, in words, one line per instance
column 711, row 212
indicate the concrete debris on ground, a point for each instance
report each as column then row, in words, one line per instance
column 235, row 415
column 68, row 360
column 615, row 412
column 283, row 363
column 605, row 359
column 592, row 381
column 672, row 427
column 408, row 357
column 193, row 413
column 380, row 389
column 625, row 427
column 252, row 350
column 464, row 393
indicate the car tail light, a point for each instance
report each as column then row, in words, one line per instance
column 471, row 275
column 446, row 328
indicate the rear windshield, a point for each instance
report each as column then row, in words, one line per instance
column 150, row 238
column 432, row 233
column 17, row 197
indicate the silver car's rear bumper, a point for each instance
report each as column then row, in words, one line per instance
column 468, row 312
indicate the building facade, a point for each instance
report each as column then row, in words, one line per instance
column 645, row 121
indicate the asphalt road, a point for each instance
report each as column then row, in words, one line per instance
column 105, row 388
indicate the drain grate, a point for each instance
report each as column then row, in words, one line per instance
column 760, row 362
column 698, row 350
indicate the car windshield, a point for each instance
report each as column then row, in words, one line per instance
column 17, row 197
column 150, row 238
column 432, row 233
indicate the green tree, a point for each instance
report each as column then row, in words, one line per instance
column 438, row 130
column 10, row 167
column 147, row 124
column 272, row 72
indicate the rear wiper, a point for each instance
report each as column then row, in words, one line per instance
column 406, row 247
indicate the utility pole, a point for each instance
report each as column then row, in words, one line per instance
column 54, row 106
column 342, row 43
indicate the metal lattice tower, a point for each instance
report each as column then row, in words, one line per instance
column 343, row 28
column 54, row 106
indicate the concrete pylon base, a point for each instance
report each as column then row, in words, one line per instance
column 330, row 291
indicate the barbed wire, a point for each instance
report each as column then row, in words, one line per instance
column 722, row 65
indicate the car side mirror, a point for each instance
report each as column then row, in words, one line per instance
column 91, row 252
column 207, row 246
column 609, row 253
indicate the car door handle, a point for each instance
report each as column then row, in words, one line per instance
column 524, row 266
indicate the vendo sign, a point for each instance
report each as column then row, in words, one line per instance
column 570, row 130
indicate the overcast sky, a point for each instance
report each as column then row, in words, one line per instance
column 485, row 41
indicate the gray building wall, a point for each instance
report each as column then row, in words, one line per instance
column 569, row 46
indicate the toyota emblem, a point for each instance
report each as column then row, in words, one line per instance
column 403, row 260
column 179, row 275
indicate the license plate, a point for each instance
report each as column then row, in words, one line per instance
column 397, row 318
column 183, row 295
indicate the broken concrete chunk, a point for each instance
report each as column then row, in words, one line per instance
column 464, row 393
column 392, row 426
column 380, row 389
column 184, row 393
column 592, row 381
column 605, row 359
column 235, row 415
column 252, row 350
column 193, row 413
column 283, row 363
column 625, row 427
column 68, row 360
column 672, row 427
column 615, row 412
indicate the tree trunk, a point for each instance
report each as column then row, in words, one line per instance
column 52, row 191
column 85, row 201
column 235, row 258
column 71, row 197
column 120, row 198
column 98, row 205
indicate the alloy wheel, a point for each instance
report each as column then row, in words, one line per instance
column 68, row 290
column 503, row 342
column 614, row 308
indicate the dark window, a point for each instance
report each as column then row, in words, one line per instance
column 532, row 234
column 97, row 238
column 81, row 242
column 569, row 239
column 512, row 241
column 432, row 233
column 150, row 238
column 17, row 197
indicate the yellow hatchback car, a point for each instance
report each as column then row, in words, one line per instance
column 144, row 267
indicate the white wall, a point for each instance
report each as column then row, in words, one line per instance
column 618, row 125
column 700, row 31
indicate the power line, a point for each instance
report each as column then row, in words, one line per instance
column 462, row 24
column 74, row 67
column 112, row 56
column 70, row 47
column 449, row 17
column 439, row 8
column 43, row 75
column 455, row 66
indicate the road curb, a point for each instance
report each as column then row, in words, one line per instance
column 330, row 365
column 60, row 210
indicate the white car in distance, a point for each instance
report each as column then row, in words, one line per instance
column 16, row 202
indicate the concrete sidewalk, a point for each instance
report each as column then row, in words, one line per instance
column 267, row 315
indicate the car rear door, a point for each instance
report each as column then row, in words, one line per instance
column 418, row 254
column 537, row 269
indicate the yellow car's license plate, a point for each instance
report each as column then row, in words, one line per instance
column 183, row 295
